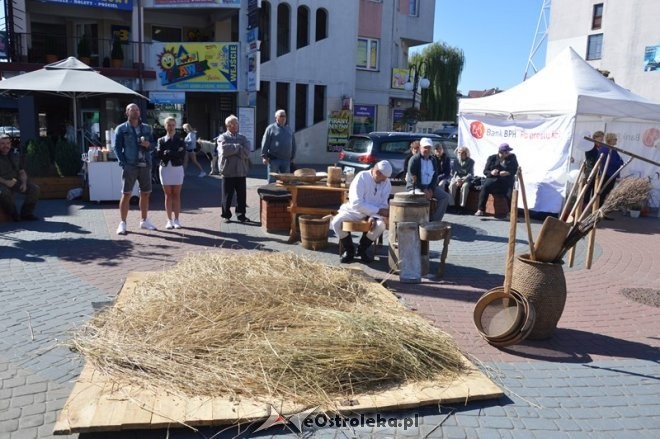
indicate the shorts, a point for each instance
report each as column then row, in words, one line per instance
column 130, row 174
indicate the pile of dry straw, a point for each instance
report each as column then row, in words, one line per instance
column 266, row 326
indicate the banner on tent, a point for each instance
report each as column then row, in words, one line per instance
column 541, row 146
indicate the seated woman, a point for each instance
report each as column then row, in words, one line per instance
column 500, row 172
column 444, row 165
column 461, row 176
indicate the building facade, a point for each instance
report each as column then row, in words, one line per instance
column 621, row 37
column 321, row 60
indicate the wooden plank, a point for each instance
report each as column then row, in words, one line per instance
column 80, row 407
column 96, row 403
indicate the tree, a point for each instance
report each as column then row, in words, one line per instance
column 444, row 65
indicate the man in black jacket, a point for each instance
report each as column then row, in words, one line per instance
column 422, row 175
column 500, row 172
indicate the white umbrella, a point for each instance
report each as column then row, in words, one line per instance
column 69, row 77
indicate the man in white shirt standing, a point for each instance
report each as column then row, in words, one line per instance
column 368, row 199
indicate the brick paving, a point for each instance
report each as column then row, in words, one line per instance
column 598, row 376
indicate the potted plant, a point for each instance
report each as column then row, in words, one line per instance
column 84, row 49
column 37, row 158
column 67, row 158
column 635, row 210
column 117, row 54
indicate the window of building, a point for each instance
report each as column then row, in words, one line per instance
column 597, row 19
column 165, row 34
column 595, row 46
column 264, row 31
column 283, row 29
column 319, row 103
column 367, row 54
column 282, row 96
column 302, row 38
column 321, row 24
column 413, row 8
column 301, row 106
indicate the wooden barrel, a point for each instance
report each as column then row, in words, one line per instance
column 404, row 207
column 334, row 176
column 314, row 232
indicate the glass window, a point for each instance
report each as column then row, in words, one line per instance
column 413, row 8
column 302, row 39
column 400, row 147
column 595, row 47
column 166, row 34
column 283, row 29
column 301, row 107
column 321, row 24
column 367, row 54
column 282, row 96
column 597, row 18
column 319, row 103
column 264, row 31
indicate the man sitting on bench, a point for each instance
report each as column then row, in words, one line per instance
column 368, row 199
column 423, row 173
column 500, row 172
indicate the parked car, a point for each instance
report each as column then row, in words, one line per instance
column 10, row 131
column 363, row 151
column 449, row 131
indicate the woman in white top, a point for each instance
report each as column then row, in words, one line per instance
column 171, row 150
column 191, row 146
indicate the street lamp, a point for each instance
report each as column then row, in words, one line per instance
column 417, row 72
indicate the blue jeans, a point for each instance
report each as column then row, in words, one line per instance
column 277, row 165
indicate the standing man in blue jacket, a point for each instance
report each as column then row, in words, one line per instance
column 278, row 146
column 133, row 147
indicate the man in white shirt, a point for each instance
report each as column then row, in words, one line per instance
column 368, row 199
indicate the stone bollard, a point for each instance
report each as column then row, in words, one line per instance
column 410, row 261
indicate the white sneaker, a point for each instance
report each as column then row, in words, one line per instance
column 176, row 224
column 479, row 213
column 121, row 228
column 146, row 224
column 202, row 174
column 169, row 225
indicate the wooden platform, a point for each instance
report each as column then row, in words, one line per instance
column 98, row 403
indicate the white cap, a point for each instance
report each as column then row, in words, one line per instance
column 384, row 167
column 426, row 142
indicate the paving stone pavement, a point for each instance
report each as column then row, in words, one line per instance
column 598, row 376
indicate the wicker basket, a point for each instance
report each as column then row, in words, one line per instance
column 544, row 285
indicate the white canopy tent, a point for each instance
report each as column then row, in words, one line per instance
column 545, row 118
column 69, row 77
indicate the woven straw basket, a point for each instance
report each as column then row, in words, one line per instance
column 544, row 285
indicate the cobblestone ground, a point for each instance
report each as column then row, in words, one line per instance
column 598, row 376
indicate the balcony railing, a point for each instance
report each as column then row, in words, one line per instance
column 46, row 48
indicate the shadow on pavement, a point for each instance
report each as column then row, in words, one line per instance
column 574, row 346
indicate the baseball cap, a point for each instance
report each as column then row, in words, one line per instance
column 505, row 148
column 384, row 167
column 426, row 142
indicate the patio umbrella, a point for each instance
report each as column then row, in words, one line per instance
column 69, row 77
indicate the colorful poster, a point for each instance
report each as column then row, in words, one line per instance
column 197, row 66
column 652, row 58
column 339, row 129
column 193, row 3
column 124, row 5
column 398, row 122
column 363, row 119
column 399, row 78
column 254, row 65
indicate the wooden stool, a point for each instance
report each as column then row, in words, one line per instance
column 360, row 226
column 435, row 231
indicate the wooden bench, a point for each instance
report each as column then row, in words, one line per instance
column 496, row 204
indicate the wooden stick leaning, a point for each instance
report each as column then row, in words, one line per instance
column 587, row 185
column 530, row 239
column 513, row 220
column 644, row 159
column 564, row 211
column 578, row 211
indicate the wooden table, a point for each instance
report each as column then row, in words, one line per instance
column 296, row 210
